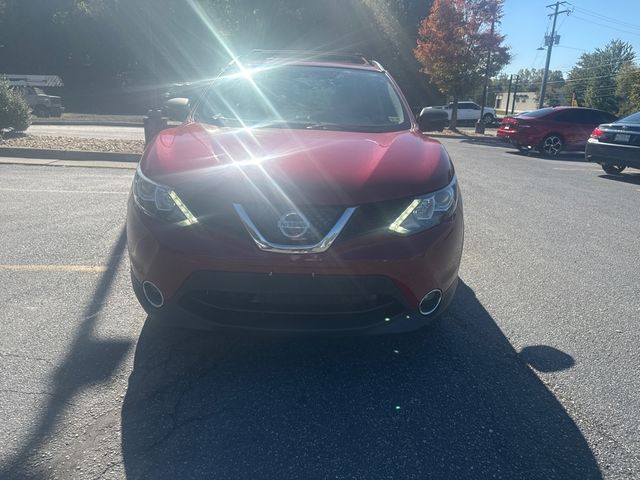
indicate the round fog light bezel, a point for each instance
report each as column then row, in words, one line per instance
column 433, row 298
column 155, row 291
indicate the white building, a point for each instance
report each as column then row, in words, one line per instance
column 525, row 102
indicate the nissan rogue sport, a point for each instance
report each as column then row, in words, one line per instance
column 299, row 195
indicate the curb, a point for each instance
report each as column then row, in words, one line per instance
column 465, row 137
column 68, row 155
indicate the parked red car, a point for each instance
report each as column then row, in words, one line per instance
column 298, row 195
column 552, row 130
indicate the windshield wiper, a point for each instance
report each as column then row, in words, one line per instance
column 325, row 126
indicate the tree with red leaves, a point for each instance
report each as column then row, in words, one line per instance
column 453, row 43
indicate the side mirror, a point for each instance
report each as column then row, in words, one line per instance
column 431, row 119
column 177, row 109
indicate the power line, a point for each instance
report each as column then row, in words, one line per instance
column 566, row 70
column 572, row 48
column 577, row 17
column 601, row 17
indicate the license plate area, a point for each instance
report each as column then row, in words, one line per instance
column 622, row 138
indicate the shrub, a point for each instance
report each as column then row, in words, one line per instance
column 14, row 111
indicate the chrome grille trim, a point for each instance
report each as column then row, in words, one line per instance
column 263, row 244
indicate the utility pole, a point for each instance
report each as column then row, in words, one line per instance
column 480, row 125
column 549, row 41
column 506, row 107
column 515, row 91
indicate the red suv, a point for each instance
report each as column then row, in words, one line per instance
column 552, row 130
column 299, row 195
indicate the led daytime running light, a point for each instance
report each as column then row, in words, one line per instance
column 189, row 218
column 396, row 226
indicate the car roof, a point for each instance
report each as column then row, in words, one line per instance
column 567, row 107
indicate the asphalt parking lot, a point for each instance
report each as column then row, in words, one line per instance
column 532, row 373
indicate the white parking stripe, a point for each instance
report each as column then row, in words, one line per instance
column 54, row 268
column 102, row 192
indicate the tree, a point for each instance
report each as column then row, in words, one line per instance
column 530, row 80
column 593, row 78
column 116, row 55
column 628, row 89
column 453, row 42
column 14, row 111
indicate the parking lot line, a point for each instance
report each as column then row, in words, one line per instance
column 102, row 192
column 576, row 169
column 54, row 268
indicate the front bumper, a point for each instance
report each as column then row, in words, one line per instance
column 612, row 154
column 213, row 279
column 290, row 303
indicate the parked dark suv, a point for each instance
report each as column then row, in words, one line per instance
column 299, row 195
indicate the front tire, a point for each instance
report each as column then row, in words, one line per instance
column 523, row 149
column 552, row 145
column 40, row 111
column 613, row 169
column 488, row 119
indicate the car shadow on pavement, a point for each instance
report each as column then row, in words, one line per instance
column 486, row 141
column 452, row 401
column 633, row 178
column 89, row 361
column 562, row 157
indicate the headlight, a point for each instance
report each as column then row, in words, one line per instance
column 160, row 201
column 427, row 211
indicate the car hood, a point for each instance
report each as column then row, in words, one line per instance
column 305, row 166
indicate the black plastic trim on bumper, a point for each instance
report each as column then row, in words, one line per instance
column 391, row 315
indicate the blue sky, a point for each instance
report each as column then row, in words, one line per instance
column 592, row 24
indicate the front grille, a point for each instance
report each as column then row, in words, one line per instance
column 217, row 214
column 266, row 217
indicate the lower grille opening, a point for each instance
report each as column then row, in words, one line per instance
column 292, row 312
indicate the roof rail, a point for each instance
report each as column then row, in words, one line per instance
column 376, row 64
column 313, row 56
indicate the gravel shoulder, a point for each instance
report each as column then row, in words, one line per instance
column 76, row 144
column 89, row 118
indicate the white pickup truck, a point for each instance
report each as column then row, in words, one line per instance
column 30, row 87
column 470, row 111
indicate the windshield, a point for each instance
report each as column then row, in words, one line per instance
column 305, row 97
column 635, row 118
